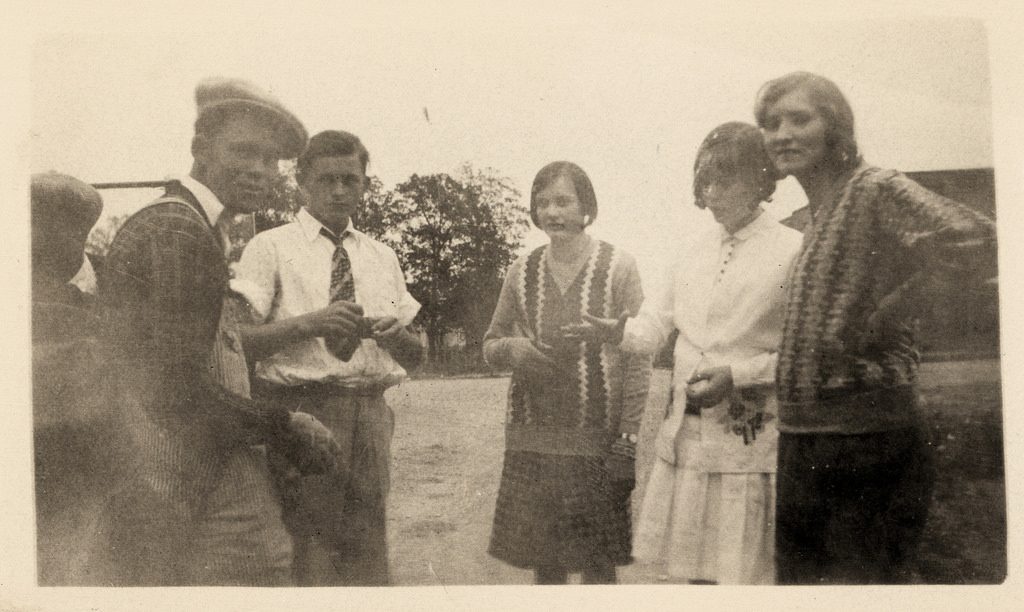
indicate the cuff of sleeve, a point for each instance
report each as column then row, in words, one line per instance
column 631, row 340
column 742, row 376
column 757, row 371
column 628, row 428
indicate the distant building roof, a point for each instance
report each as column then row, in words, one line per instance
column 974, row 187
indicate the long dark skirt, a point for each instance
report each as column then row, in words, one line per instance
column 556, row 510
column 850, row 509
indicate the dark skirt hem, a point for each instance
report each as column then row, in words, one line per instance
column 559, row 510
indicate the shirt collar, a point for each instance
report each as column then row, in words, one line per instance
column 762, row 222
column 209, row 202
column 311, row 226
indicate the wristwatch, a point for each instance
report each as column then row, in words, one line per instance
column 629, row 437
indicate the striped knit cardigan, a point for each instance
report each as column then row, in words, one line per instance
column 884, row 241
column 596, row 390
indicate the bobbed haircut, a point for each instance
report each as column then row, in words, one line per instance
column 332, row 143
column 828, row 101
column 584, row 188
column 734, row 150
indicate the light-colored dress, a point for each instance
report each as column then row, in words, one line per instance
column 708, row 510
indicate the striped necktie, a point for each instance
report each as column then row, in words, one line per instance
column 342, row 285
column 343, row 288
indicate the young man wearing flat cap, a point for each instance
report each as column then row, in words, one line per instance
column 199, row 507
column 333, row 311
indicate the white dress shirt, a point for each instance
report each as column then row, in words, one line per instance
column 286, row 272
column 726, row 296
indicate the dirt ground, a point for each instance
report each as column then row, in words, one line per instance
column 447, row 456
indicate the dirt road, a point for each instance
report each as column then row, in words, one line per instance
column 447, row 455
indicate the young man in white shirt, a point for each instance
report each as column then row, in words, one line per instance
column 331, row 311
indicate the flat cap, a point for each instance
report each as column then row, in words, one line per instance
column 60, row 195
column 218, row 93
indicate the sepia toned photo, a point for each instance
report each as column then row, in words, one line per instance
column 653, row 298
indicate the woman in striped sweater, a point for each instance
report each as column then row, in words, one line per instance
column 574, row 407
column 854, row 477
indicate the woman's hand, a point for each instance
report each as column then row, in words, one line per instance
column 526, row 357
column 717, row 386
column 596, row 329
column 881, row 325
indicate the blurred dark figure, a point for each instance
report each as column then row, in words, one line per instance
column 72, row 426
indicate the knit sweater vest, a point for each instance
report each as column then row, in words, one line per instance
column 576, row 409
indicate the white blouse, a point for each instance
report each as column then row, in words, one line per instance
column 726, row 296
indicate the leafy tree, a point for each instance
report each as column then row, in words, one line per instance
column 455, row 238
column 102, row 234
column 285, row 200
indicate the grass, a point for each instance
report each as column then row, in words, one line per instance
column 965, row 538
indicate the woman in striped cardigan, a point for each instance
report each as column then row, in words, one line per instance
column 854, row 476
column 574, row 407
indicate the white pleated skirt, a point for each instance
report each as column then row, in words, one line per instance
column 707, row 525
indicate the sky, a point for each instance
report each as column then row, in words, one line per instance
column 628, row 96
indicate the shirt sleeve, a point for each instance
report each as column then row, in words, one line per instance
column 781, row 247
column 256, row 276
column 947, row 243
column 505, row 329
column 756, row 370
column 406, row 306
column 650, row 328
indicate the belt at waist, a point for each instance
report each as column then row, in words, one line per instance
column 316, row 389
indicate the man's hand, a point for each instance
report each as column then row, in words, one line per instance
column 403, row 345
column 595, row 329
column 385, row 330
column 309, row 445
column 708, row 387
column 339, row 319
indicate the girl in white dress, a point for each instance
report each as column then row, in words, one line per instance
column 708, row 511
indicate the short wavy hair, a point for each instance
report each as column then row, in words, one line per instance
column 733, row 149
column 332, row 143
column 830, row 103
column 584, row 188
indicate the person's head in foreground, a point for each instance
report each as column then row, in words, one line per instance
column 64, row 209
